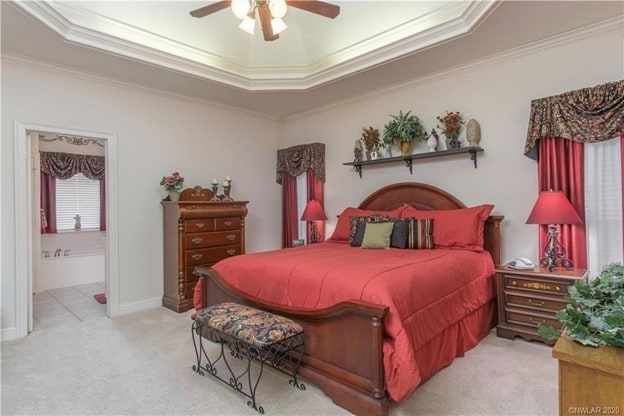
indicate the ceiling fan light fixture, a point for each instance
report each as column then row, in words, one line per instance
column 278, row 26
column 278, row 8
column 240, row 8
column 248, row 24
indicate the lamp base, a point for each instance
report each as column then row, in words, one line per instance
column 315, row 236
column 554, row 252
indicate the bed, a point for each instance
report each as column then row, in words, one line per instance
column 364, row 347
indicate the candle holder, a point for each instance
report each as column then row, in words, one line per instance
column 226, row 191
column 215, row 189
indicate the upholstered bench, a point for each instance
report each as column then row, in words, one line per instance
column 247, row 333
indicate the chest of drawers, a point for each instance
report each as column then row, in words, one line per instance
column 527, row 298
column 197, row 232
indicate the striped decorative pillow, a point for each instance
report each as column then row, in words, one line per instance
column 420, row 234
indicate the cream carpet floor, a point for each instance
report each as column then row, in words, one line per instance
column 140, row 364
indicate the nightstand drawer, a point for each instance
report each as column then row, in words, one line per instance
column 538, row 285
column 525, row 300
column 531, row 319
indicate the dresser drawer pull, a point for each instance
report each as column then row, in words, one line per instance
column 230, row 237
column 536, row 302
column 197, row 256
column 227, row 223
column 200, row 225
column 537, row 321
column 231, row 252
column 196, row 273
column 197, row 240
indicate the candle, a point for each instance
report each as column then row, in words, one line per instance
column 214, row 181
column 228, row 178
column 226, row 183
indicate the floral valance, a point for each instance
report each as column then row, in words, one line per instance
column 65, row 165
column 587, row 115
column 296, row 160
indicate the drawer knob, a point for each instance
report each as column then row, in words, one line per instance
column 195, row 273
column 200, row 225
column 197, row 256
column 536, row 302
column 227, row 223
column 197, row 240
column 513, row 282
column 230, row 237
column 231, row 252
column 537, row 321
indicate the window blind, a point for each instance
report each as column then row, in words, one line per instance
column 77, row 195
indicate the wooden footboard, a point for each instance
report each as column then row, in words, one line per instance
column 343, row 345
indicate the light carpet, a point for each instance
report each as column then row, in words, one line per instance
column 140, row 364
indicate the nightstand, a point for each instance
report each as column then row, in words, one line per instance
column 527, row 298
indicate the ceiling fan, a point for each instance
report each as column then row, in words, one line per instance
column 270, row 12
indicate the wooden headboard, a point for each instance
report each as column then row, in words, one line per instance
column 429, row 198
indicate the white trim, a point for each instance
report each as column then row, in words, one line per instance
column 24, row 220
column 8, row 334
column 615, row 23
column 75, row 25
column 141, row 305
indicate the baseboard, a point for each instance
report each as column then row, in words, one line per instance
column 8, row 334
column 140, row 305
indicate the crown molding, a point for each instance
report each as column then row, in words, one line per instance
column 608, row 25
column 90, row 29
column 6, row 57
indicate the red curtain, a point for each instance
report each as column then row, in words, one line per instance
column 561, row 168
column 102, row 205
column 315, row 191
column 622, row 175
column 289, row 210
column 48, row 203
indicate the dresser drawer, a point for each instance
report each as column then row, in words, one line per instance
column 537, row 285
column 198, row 226
column 233, row 223
column 215, row 238
column 208, row 255
column 519, row 299
column 191, row 275
column 531, row 319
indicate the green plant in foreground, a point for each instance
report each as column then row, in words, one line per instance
column 594, row 314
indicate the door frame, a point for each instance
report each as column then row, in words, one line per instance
column 24, row 220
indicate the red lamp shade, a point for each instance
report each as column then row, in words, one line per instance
column 313, row 212
column 553, row 207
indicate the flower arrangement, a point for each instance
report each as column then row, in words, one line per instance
column 452, row 123
column 173, row 182
column 370, row 138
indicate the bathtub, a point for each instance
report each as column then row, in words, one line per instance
column 76, row 264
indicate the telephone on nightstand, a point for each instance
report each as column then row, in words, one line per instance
column 521, row 263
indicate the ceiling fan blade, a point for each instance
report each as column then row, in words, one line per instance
column 211, row 8
column 317, row 7
column 265, row 22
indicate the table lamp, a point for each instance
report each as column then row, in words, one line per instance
column 552, row 208
column 313, row 212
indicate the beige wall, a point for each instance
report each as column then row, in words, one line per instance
column 498, row 94
column 156, row 135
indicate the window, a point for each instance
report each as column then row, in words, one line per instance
column 77, row 195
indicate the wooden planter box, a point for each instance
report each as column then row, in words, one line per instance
column 591, row 380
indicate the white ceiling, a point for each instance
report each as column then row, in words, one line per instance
column 369, row 46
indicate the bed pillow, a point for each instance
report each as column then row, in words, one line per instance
column 341, row 232
column 455, row 228
column 377, row 235
column 356, row 230
column 416, row 233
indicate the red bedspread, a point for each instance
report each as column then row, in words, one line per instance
column 426, row 291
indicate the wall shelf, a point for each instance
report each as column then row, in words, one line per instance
column 472, row 150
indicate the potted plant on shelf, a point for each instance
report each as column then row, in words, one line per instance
column 452, row 124
column 402, row 130
column 594, row 314
column 173, row 184
column 372, row 142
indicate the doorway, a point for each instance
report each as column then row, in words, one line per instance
column 26, row 244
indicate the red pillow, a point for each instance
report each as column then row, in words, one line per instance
column 455, row 228
column 343, row 226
